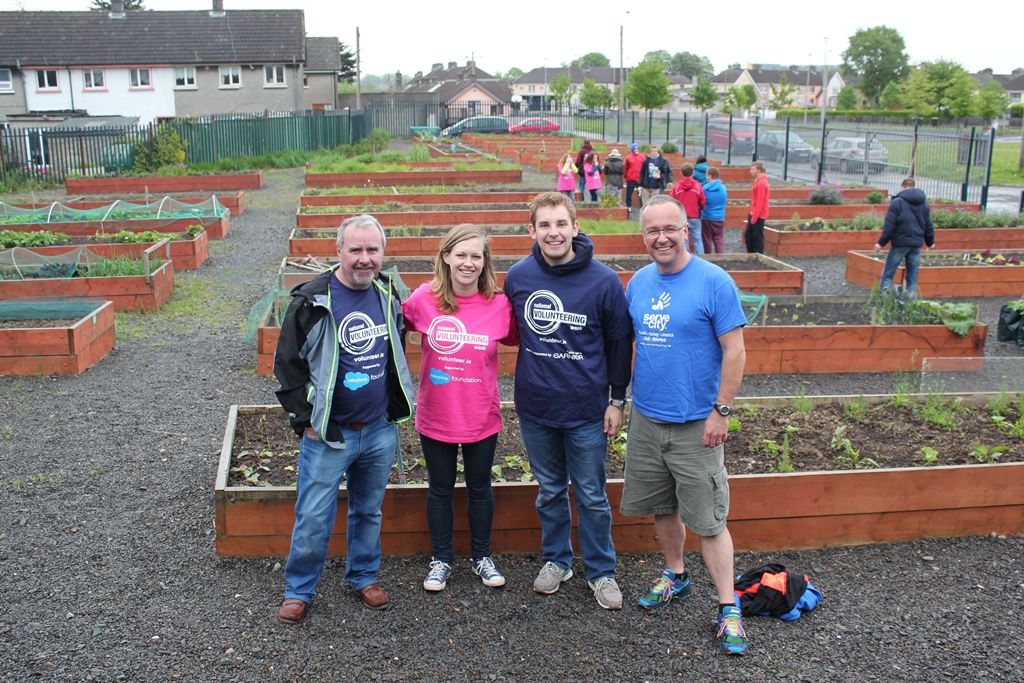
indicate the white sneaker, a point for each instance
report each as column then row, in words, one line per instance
column 550, row 578
column 437, row 579
column 607, row 592
column 488, row 573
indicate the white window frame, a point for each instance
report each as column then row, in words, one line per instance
column 6, row 84
column 135, row 78
column 274, row 76
column 90, row 75
column 186, row 74
column 43, row 83
column 234, row 75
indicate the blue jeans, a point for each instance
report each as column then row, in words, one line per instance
column 581, row 185
column 577, row 454
column 365, row 463
column 698, row 242
column 893, row 261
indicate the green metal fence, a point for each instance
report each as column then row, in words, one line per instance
column 55, row 153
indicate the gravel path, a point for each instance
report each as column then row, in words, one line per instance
column 109, row 571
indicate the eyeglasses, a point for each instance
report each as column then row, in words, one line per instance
column 667, row 231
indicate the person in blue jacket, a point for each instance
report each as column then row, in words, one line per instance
column 571, row 376
column 908, row 225
column 700, row 170
column 712, row 218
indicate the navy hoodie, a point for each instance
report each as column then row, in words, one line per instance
column 575, row 337
column 908, row 222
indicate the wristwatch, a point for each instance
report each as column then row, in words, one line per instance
column 723, row 409
column 619, row 403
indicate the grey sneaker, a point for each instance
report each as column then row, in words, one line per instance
column 437, row 579
column 607, row 592
column 550, row 578
column 488, row 573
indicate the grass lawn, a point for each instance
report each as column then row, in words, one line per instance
column 1004, row 164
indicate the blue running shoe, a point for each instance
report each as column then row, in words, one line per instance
column 730, row 630
column 665, row 589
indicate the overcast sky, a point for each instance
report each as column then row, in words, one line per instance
column 410, row 36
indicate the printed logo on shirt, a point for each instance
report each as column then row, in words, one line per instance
column 447, row 334
column 544, row 313
column 355, row 381
column 439, row 376
column 357, row 333
column 662, row 302
column 658, row 321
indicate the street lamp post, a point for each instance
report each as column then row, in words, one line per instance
column 824, row 83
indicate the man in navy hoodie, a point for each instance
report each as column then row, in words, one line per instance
column 570, row 388
column 908, row 225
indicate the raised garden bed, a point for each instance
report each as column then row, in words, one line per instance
column 736, row 215
column 945, row 273
column 371, row 197
column 186, row 253
column 769, row 510
column 127, row 292
column 159, row 184
column 448, row 216
column 216, row 228
column 235, row 201
column 53, row 343
column 438, row 177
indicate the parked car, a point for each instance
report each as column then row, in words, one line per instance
column 742, row 139
column 477, row 124
column 771, row 145
column 590, row 114
column 535, row 125
column 847, row 156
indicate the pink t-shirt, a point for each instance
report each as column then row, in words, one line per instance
column 457, row 400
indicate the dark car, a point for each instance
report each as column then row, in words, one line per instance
column 771, row 146
column 477, row 124
column 741, row 137
column 590, row 114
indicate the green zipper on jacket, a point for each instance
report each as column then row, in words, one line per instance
column 394, row 357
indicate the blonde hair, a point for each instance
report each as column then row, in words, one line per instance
column 442, row 287
column 551, row 199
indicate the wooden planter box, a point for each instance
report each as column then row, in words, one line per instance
column 59, row 350
column 767, row 511
column 235, row 201
column 448, row 218
column 782, row 349
column 216, row 228
column 864, row 268
column 129, row 293
column 184, row 254
column 440, row 177
column 159, row 184
column 415, row 198
column 836, row 243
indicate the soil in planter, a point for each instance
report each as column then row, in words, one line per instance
column 896, row 433
column 933, row 260
column 816, row 313
column 620, row 264
column 19, row 324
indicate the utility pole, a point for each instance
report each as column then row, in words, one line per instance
column 824, row 84
column 359, row 87
column 622, row 75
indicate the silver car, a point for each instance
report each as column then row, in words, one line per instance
column 846, row 155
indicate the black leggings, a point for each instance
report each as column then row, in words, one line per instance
column 441, row 460
column 753, row 235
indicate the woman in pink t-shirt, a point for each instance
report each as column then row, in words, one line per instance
column 462, row 316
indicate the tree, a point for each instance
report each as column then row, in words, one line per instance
column 847, row 98
column 658, row 56
column 105, row 4
column 560, row 86
column 782, row 93
column 648, row 85
column 591, row 59
column 991, row 101
column 690, row 65
column 892, row 96
column 743, row 98
column 594, row 96
column 875, row 55
column 943, row 88
column 513, row 74
column 703, row 95
column 348, row 64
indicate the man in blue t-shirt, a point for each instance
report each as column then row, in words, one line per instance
column 571, row 377
column 344, row 382
column 688, row 325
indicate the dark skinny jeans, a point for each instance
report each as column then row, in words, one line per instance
column 477, row 457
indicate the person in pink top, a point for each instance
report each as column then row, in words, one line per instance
column 592, row 173
column 567, row 176
column 462, row 316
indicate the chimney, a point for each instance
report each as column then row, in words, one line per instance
column 419, row 75
column 398, row 80
column 116, row 9
column 218, row 8
column 437, row 66
column 452, row 65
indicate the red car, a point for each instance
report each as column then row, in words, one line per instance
column 536, row 125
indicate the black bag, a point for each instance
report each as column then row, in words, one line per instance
column 1010, row 324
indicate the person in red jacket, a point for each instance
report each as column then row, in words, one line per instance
column 690, row 194
column 753, row 236
column 634, row 162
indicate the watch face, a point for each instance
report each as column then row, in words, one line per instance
column 723, row 409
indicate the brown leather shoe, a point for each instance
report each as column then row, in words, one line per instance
column 374, row 597
column 292, row 611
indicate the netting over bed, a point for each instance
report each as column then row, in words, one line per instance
column 47, row 309
column 167, row 208
column 24, row 264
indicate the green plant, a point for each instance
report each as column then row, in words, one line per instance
column 888, row 309
column 997, row 405
column 875, row 197
column 750, row 410
column 826, row 195
column 609, row 200
column 39, row 238
column 669, row 147
column 734, row 425
column 784, row 464
column 802, row 402
column 116, row 267
column 794, row 223
column 929, row 456
column 848, row 455
column 520, row 463
column 986, row 455
column 867, row 221
column 1016, row 306
column 1013, row 428
column 856, row 410
column 900, row 392
column 939, row 411
column 166, row 148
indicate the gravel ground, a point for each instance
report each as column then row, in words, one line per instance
column 109, row 571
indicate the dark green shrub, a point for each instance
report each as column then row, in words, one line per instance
column 875, row 197
column 826, row 195
column 669, row 148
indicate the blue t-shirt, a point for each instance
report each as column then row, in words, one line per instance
column 677, row 320
column 360, row 392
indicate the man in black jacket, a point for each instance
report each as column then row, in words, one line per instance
column 655, row 175
column 908, row 225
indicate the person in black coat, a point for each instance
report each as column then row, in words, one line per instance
column 908, row 225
